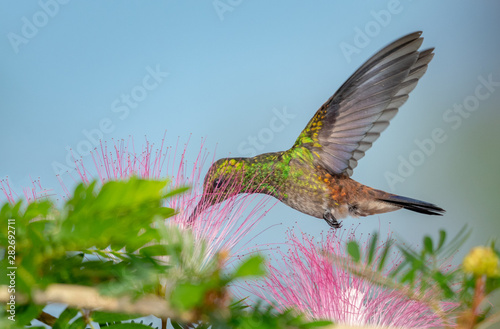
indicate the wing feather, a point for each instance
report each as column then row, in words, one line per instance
column 347, row 125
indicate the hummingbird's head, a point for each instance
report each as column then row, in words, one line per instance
column 223, row 180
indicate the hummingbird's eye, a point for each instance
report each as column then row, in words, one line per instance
column 218, row 183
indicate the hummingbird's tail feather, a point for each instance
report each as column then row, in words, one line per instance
column 414, row 205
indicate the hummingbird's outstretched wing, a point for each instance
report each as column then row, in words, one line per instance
column 353, row 118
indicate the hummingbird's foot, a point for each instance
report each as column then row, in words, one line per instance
column 332, row 221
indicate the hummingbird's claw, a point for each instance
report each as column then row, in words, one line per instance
column 332, row 221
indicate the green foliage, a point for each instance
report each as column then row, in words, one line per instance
column 115, row 238
column 84, row 243
column 262, row 317
column 64, row 319
column 253, row 266
column 421, row 275
column 204, row 295
column 128, row 326
column 353, row 251
column 419, row 269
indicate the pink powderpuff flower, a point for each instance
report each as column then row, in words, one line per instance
column 308, row 281
column 221, row 226
column 35, row 192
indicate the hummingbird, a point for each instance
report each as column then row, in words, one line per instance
column 314, row 175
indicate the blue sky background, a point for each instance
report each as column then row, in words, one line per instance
column 228, row 74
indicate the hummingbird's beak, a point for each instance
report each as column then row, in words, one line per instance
column 192, row 217
column 200, row 207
